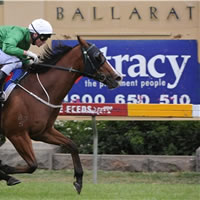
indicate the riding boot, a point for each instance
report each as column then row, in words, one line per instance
column 3, row 76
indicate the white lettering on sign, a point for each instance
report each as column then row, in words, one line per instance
column 88, row 109
column 125, row 98
column 150, row 68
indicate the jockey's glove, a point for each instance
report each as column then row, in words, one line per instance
column 33, row 56
column 31, row 62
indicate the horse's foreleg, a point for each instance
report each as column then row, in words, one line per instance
column 53, row 136
column 23, row 145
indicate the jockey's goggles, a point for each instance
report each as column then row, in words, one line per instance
column 44, row 37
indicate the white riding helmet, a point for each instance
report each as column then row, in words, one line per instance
column 41, row 26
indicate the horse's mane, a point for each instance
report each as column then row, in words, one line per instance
column 51, row 57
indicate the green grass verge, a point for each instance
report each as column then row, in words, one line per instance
column 57, row 185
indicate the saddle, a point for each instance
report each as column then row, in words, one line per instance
column 11, row 81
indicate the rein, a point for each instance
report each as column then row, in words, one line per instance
column 8, row 63
column 92, row 64
column 66, row 69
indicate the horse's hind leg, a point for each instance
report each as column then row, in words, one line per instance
column 52, row 136
column 23, row 145
column 9, row 179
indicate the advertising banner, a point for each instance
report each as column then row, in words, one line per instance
column 154, row 72
column 95, row 109
column 129, row 110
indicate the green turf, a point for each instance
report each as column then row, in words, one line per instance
column 57, row 185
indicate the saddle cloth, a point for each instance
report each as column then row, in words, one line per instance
column 11, row 80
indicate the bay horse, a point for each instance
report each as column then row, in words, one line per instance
column 27, row 117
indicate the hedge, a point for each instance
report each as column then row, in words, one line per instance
column 135, row 137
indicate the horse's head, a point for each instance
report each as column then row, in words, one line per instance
column 97, row 67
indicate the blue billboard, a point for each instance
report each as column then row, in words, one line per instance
column 154, row 71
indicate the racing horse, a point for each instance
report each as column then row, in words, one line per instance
column 32, row 108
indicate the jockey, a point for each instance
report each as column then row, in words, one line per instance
column 15, row 42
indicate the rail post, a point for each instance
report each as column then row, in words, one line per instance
column 95, row 149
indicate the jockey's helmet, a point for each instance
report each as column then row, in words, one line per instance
column 41, row 27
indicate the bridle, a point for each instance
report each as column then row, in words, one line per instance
column 93, row 60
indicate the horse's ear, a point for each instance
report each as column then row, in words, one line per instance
column 82, row 42
column 78, row 38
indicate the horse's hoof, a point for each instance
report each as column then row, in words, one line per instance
column 78, row 187
column 13, row 181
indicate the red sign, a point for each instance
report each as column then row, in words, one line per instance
column 86, row 109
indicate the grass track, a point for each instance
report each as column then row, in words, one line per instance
column 57, row 185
